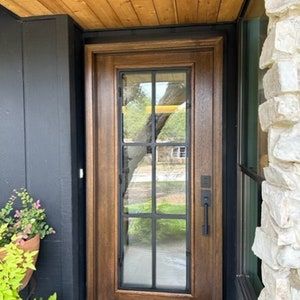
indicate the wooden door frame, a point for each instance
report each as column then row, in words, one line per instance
column 216, row 45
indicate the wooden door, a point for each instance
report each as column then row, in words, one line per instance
column 154, row 170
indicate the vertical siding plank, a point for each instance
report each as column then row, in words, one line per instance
column 42, row 142
column 12, row 144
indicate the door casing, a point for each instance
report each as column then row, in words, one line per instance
column 215, row 46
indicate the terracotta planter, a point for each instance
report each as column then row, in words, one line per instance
column 30, row 245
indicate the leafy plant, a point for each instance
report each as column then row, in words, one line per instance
column 139, row 229
column 31, row 218
column 26, row 222
column 13, row 267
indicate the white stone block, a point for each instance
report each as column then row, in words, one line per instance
column 263, row 295
column 282, row 41
column 282, row 78
column 288, row 257
column 287, row 147
column 265, row 248
column 277, row 200
column 282, row 110
column 280, row 7
column 273, row 136
column 266, row 221
column 276, row 282
column 280, row 177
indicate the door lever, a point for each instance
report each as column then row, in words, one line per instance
column 206, row 203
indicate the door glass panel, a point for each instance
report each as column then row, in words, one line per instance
column 154, row 133
column 171, row 179
column 170, row 106
column 136, row 107
column 137, row 179
column 137, row 252
column 171, row 254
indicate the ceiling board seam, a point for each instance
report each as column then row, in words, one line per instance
column 135, row 12
column 176, row 11
column 220, row 3
column 108, row 2
column 157, row 16
column 101, row 23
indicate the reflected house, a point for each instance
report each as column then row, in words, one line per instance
column 176, row 154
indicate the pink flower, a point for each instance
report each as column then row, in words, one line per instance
column 37, row 204
column 17, row 214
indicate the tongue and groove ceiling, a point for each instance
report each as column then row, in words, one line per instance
column 110, row 14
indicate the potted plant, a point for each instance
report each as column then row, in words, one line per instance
column 23, row 227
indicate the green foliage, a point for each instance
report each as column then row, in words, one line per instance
column 28, row 221
column 135, row 113
column 136, row 116
column 7, row 219
column 175, row 127
column 13, row 267
column 53, row 297
column 31, row 218
column 166, row 230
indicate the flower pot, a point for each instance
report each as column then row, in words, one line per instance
column 30, row 245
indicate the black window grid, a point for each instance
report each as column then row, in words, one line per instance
column 154, row 216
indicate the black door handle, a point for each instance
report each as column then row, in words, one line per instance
column 206, row 203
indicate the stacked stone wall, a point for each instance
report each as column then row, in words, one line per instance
column 277, row 241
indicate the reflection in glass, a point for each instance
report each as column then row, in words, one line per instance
column 137, row 255
column 136, row 107
column 171, row 254
column 170, row 108
column 153, row 169
column 171, row 179
column 137, row 183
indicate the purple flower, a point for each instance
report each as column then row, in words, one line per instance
column 17, row 214
column 37, row 204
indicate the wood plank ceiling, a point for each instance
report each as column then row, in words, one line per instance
column 109, row 14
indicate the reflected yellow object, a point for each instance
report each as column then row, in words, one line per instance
column 163, row 109
column 159, row 109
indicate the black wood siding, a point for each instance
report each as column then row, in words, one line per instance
column 41, row 140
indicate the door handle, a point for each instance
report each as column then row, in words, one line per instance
column 206, row 203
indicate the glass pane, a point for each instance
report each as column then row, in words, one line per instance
column 251, row 216
column 171, row 258
column 171, row 179
column 170, row 108
column 136, row 107
column 137, row 251
column 137, row 183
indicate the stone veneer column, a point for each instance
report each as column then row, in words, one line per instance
column 277, row 241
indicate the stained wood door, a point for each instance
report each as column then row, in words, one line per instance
column 154, row 170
